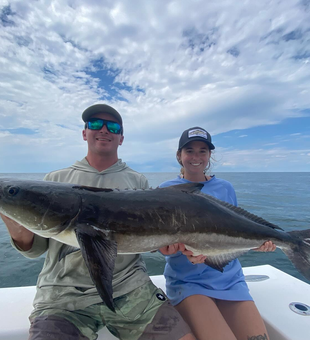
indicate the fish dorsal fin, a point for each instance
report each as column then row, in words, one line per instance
column 187, row 187
column 94, row 189
column 240, row 211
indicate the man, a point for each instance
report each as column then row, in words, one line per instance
column 67, row 305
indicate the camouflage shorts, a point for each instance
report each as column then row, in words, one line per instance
column 144, row 313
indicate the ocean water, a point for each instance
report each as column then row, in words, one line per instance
column 280, row 198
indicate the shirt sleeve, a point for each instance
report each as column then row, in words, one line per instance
column 178, row 253
column 39, row 247
column 144, row 183
column 233, row 196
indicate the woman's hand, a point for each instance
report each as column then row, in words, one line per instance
column 194, row 259
column 266, row 246
column 172, row 249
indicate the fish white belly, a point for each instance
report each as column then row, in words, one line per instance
column 211, row 244
column 134, row 244
column 67, row 237
column 199, row 243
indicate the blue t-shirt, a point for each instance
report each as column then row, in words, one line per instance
column 184, row 279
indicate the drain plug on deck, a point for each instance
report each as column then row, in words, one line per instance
column 300, row 308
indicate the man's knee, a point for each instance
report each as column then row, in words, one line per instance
column 54, row 328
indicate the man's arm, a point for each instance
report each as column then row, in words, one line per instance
column 22, row 237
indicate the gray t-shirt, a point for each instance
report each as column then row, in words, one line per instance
column 66, row 284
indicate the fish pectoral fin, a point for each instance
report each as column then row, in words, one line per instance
column 66, row 250
column 99, row 253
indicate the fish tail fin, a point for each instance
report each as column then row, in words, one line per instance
column 299, row 253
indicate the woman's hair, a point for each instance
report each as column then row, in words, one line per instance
column 178, row 157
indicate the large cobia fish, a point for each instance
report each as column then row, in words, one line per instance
column 104, row 222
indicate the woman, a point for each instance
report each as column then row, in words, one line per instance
column 216, row 305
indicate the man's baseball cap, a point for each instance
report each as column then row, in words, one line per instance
column 196, row 133
column 101, row 108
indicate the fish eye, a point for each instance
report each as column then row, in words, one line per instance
column 13, row 191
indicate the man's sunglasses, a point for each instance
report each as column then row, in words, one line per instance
column 97, row 124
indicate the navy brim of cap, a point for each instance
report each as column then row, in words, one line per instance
column 101, row 108
column 210, row 145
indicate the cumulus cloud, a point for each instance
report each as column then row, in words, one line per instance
column 256, row 160
column 165, row 65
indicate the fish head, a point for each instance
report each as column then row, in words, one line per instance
column 45, row 208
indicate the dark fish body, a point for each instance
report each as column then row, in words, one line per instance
column 104, row 222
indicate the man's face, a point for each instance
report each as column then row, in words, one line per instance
column 102, row 141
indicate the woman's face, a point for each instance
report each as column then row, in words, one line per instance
column 195, row 157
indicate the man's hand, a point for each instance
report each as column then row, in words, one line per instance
column 174, row 248
column 10, row 224
column 22, row 237
column 266, row 246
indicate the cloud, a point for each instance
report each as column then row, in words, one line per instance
column 256, row 160
column 165, row 66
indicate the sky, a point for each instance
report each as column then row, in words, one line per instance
column 239, row 69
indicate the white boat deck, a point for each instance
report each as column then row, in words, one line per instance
column 272, row 297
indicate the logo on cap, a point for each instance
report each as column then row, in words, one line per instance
column 197, row 133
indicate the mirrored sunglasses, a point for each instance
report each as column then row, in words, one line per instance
column 97, row 124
